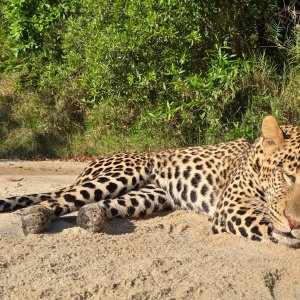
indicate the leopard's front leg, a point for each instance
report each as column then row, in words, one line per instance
column 241, row 221
column 249, row 221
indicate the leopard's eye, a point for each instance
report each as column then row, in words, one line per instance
column 290, row 179
column 287, row 175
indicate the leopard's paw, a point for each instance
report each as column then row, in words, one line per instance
column 91, row 218
column 35, row 219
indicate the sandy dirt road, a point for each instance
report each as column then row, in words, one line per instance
column 169, row 256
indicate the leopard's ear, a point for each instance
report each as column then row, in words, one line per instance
column 272, row 135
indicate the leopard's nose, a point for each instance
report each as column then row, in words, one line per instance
column 293, row 223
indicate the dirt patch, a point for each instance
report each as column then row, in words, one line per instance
column 169, row 256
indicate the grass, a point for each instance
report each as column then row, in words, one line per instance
column 32, row 127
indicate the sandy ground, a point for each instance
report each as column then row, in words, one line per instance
column 169, row 256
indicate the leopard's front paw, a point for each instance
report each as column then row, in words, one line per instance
column 91, row 218
column 35, row 219
column 290, row 239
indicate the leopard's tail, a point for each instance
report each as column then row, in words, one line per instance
column 16, row 202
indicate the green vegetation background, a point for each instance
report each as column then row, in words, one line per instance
column 88, row 77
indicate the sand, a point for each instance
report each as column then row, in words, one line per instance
column 169, row 256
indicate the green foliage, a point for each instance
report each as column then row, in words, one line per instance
column 31, row 31
column 33, row 23
column 123, row 75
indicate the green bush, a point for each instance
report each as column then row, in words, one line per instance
column 35, row 25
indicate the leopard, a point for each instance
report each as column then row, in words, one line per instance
column 247, row 189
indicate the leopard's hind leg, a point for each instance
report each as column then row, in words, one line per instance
column 17, row 202
column 136, row 203
column 145, row 201
column 106, row 178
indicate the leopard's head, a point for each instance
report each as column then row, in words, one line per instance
column 279, row 176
